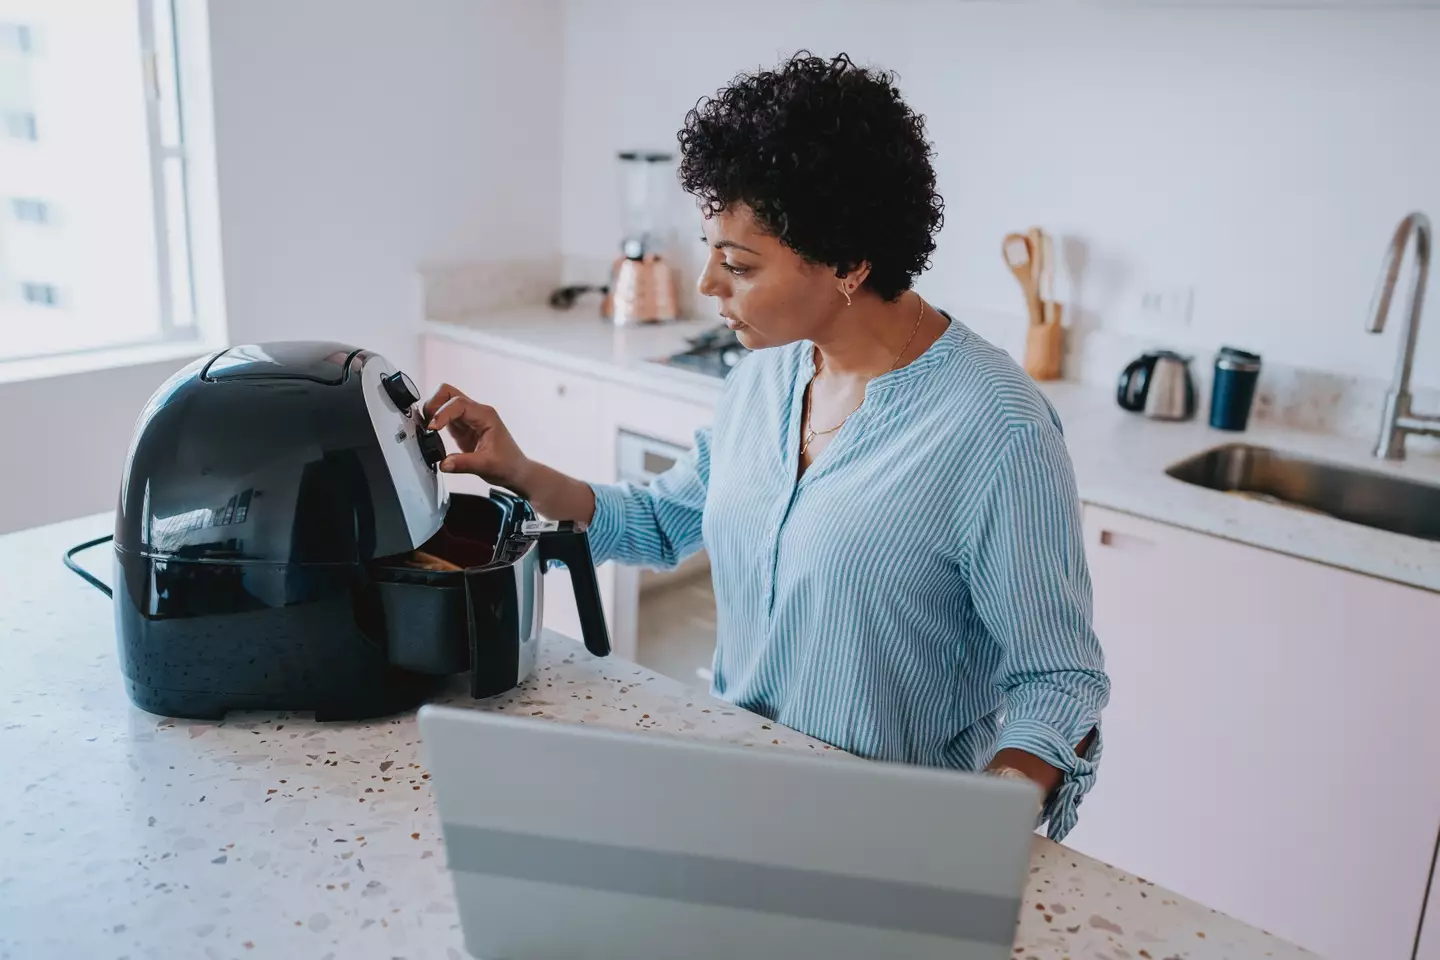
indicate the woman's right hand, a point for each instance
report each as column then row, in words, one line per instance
column 486, row 447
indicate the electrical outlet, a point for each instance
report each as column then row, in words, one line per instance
column 1166, row 305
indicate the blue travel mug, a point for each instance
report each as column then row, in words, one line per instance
column 1232, row 392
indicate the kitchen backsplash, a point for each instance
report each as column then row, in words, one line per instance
column 455, row 289
column 1288, row 395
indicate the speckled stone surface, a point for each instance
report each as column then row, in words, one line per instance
column 128, row 835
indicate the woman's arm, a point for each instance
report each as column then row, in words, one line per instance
column 489, row 451
column 654, row 525
column 553, row 494
column 1032, row 768
column 1032, row 588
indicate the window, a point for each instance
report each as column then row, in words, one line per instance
column 93, row 124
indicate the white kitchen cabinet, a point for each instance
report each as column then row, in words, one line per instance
column 1270, row 744
column 556, row 417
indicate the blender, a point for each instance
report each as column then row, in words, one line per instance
column 642, row 282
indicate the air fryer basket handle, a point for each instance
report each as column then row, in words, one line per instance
column 569, row 544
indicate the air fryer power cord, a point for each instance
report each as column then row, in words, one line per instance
column 89, row 577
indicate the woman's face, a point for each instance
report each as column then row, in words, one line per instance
column 768, row 294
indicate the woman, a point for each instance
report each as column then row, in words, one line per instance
column 885, row 498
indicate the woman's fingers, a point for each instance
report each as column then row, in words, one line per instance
column 462, row 412
column 476, row 461
column 485, row 446
column 442, row 395
column 458, row 463
column 441, row 417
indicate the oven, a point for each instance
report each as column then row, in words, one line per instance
column 667, row 618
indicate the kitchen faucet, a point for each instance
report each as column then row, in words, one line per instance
column 1398, row 419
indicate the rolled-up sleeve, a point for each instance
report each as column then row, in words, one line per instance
column 656, row 524
column 1032, row 589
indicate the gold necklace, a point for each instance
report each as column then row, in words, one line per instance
column 810, row 432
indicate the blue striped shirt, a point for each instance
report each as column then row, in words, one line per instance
column 920, row 594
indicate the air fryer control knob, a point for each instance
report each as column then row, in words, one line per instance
column 432, row 445
column 401, row 390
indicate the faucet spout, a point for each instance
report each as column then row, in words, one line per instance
column 1398, row 419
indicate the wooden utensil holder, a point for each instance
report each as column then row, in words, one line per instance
column 1045, row 344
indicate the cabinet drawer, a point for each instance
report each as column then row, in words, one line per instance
column 673, row 421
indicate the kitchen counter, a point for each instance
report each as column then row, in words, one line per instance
column 124, row 834
column 1120, row 458
column 580, row 342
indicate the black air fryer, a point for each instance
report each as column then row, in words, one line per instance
column 273, row 501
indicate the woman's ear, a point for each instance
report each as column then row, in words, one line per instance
column 848, row 283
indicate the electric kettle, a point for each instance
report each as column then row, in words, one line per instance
column 1158, row 384
column 642, row 287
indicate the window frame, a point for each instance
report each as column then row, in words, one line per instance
column 154, row 59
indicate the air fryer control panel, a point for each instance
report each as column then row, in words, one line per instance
column 411, row 452
column 403, row 393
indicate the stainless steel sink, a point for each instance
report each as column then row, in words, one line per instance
column 1359, row 496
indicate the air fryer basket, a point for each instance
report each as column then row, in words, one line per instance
column 449, row 621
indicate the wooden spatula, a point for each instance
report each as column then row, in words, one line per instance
column 1020, row 257
column 1046, row 274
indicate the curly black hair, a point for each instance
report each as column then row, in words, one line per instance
column 829, row 158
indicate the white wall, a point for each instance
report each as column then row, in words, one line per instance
column 360, row 138
column 1261, row 156
column 356, row 139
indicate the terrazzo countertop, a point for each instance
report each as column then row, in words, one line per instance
column 129, row 835
column 1120, row 458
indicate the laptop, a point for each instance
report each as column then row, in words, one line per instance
column 568, row 841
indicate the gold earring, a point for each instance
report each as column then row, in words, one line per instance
column 848, row 301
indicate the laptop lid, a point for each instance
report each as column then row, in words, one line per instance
column 569, row 841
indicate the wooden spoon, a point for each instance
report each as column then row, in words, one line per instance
column 1020, row 257
column 1037, row 256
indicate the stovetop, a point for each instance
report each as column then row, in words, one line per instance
column 713, row 353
